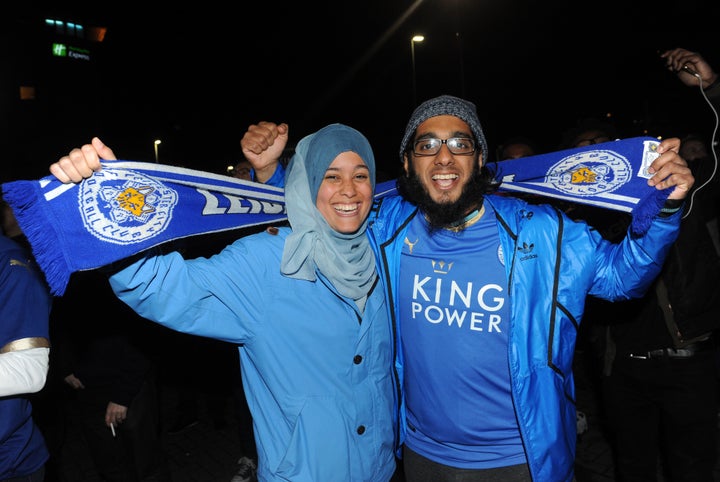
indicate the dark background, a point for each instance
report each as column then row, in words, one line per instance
column 197, row 76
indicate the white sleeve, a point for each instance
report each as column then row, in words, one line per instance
column 23, row 371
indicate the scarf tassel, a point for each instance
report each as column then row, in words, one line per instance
column 647, row 209
column 28, row 210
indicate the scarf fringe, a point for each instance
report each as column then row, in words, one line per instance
column 647, row 209
column 28, row 209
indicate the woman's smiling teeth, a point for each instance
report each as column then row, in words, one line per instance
column 346, row 208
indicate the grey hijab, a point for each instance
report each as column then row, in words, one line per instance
column 346, row 260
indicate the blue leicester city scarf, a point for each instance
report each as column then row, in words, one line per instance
column 129, row 207
column 612, row 174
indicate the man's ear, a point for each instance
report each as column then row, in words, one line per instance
column 480, row 161
column 406, row 164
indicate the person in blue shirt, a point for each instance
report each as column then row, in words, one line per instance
column 307, row 306
column 487, row 293
column 25, row 304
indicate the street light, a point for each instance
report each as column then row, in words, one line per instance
column 416, row 38
column 155, row 145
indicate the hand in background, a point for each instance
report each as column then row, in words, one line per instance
column 678, row 58
column 74, row 382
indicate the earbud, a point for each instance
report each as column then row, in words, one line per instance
column 690, row 71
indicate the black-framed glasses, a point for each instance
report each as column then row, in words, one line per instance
column 460, row 146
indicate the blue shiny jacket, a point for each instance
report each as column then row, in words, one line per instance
column 552, row 263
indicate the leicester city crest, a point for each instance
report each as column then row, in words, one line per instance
column 590, row 173
column 124, row 207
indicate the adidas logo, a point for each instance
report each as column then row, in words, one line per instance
column 526, row 248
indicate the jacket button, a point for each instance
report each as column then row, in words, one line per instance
column 361, row 429
column 357, row 359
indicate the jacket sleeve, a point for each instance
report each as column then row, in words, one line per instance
column 627, row 269
column 218, row 297
column 278, row 177
column 23, row 371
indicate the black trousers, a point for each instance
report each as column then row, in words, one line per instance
column 663, row 410
column 420, row 469
column 135, row 453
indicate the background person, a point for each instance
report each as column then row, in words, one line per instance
column 24, row 353
column 660, row 383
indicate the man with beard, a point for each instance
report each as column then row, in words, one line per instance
column 487, row 293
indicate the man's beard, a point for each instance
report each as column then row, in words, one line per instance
column 444, row 215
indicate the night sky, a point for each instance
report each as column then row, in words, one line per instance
column 197, row 77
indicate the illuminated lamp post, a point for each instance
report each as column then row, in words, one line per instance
column 416, row 38
column 155, row 145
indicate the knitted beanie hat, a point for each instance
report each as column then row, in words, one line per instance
column 446, row 105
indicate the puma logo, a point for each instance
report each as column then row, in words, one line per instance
column 411, row 244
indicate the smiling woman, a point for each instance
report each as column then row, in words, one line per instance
column 300, row 302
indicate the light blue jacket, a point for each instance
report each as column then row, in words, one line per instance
column 318, row 375
column 552, row 263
